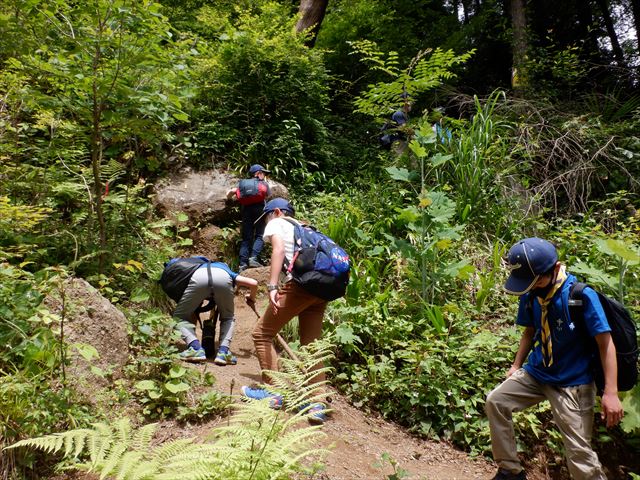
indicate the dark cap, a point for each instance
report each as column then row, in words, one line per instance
column 257, row 168
column 279, row 203
column 528, row 259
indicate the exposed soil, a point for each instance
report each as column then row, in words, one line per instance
column 357, row 439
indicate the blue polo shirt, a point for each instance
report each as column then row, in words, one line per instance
column 572, row 345
column 222, row 266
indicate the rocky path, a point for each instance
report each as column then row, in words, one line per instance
column 357, row 439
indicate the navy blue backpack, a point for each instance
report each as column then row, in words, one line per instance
column 319, row 265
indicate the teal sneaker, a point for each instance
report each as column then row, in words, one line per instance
column 223, row 359
column 193, row 355
column 275, row 401
column 316, row 412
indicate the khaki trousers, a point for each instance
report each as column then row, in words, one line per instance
column 294, row 301
column 572, row 409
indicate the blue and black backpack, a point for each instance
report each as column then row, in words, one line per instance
column 177, row 273
column 319, row 265
column 623, row 334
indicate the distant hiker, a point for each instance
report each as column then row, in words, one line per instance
column 443, row 133
column 391, row 131
column 287, row 301
column 251, row 193
column 558, row 369
column 213, row 282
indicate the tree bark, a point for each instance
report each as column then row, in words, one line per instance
column 311, row 15
column 587, row 30
column 635, row 8
column 96, row 159
column 608, row 22
column 519, row 45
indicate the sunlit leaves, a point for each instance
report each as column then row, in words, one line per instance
column 625, row 250
column 428, row 70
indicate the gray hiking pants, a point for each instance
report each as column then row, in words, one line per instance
column 198, row 291
column 572, row 409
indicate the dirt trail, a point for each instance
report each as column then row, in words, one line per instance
column 358, row 439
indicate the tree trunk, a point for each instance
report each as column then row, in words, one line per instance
column 465, row 10
column 311, row 16
column 635, row 8
column 587, row 30
column 608, row 22
column 519, row 45
column 96, row 160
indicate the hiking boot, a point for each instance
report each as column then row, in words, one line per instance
column 507, row 475
column 242, row 267
column 254, row 263
column 193, row 355
column 316, row 412
column 223, row 359
column 275, row 401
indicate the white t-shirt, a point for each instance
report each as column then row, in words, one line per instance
column 284, row 229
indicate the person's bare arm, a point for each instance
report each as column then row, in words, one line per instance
column 251, row 284
column 526, row 340
column 612, row 411
column 277, row 260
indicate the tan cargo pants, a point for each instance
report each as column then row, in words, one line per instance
column 572, row 409
column 294, row 301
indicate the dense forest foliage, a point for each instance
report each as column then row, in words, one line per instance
column 538, row 112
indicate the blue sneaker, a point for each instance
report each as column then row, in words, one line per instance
column 316, row 412
column 193, row 355
column 275, row 401
column 223, row 359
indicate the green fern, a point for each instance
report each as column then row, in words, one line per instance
column 426, row 71
column 293, row 380
column 258, row 444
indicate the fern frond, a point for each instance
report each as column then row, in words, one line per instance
column 112, row 170
column 142, row 437
column 259, row 442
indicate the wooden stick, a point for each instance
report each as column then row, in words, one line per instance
column 285, row 346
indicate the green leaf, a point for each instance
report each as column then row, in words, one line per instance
column 183, row 117
column 177, row 372
column 439, row 159
column 377, row 250
column 626, row 251
column 631, row 404
column 345, row 336
column 417, row 149
column 176, row 387
column 145, row 385
column 140, row 295
column 88, row 352
column 595, row 275
column 401, row 174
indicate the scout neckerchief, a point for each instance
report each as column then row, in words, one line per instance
column 545, row 337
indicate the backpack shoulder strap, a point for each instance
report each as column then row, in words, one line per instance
column 575, row 301
column 575, row 294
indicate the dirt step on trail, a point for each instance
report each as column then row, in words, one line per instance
column 358, row 439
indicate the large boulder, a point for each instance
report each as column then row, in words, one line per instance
column 203, row 196
column 90, row 319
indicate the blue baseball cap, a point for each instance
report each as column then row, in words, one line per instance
column 257, row 168
column 528, row 259
column 279, row 203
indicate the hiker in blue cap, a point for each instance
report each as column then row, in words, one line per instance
column 285, row 302
column 558, row 367
column 392, row 131
column 251, row 194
